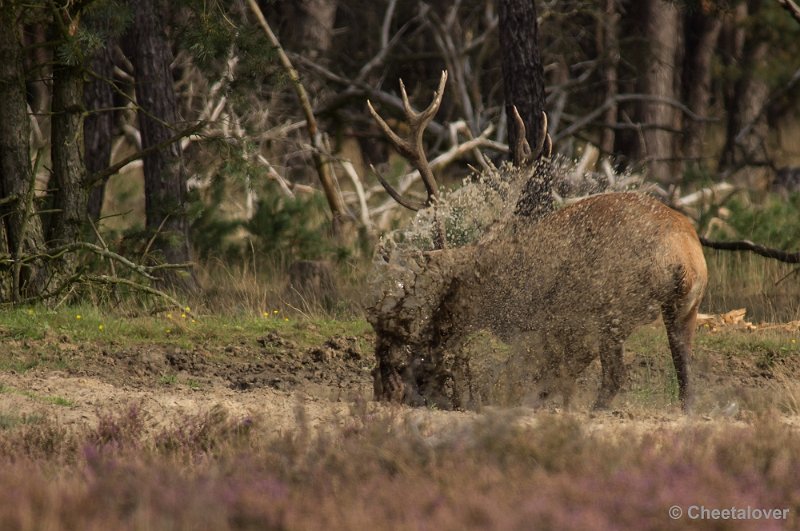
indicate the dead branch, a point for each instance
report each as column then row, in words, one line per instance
column 357, row 89
column 350, row 171
column 335, row 201
column 746, row 245
column 58, row 252
column 105, row 279
column 621, row 98
column 791, row 7
column 114, row 168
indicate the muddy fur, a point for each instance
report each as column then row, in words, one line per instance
column 515, row 316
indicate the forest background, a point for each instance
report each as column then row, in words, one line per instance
column 161, row 148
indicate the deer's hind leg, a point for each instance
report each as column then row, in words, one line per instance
column 680, row 333
column 612, row 351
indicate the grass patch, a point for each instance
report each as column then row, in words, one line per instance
column 183, row 329
column 55, row 400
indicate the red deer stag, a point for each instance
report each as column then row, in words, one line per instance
column 576, row 281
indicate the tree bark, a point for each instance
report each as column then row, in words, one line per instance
column 69, row 174
column 164, row 172
column 656, row 147
column 523, row 74
column 609, row 47
column 523, row 85
column 747, row 124
column 702, row 33
column 22, row 225
column 317, row 26
column 98, row 127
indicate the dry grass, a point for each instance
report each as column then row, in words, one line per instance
column 770, row 290
column 378, row 472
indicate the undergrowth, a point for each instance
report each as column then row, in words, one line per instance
column 384, row 471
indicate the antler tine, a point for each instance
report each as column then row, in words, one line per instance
column 403, row 147
column 394, row 194
column 522, row 152
column 424, row 117
column 542, row 136
column 547, row 150
column 413, row 148
column 522, row 149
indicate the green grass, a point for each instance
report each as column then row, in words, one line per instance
column 87, row 323
column 168, row 379
column 55, row 400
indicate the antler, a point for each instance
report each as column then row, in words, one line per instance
column 521, row 151
column 412, row 148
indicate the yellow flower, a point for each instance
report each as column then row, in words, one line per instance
column 285, row 318
column 183, row 316
column 187, row 309
column 168, row 330
column 169, row 316
column 264, row 314
column 78, row 317
column 193, row 321
column 30, row 311
column 275, row 311
column 101, row 327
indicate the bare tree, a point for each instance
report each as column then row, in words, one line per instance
column 702, row 29
column 22, row 228
column 164, row 171
column 523, row 75
column 660, row 25
column 69, row 172
column 98, row 126
column 747, row 123
column 608, row 37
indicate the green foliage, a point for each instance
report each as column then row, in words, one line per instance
column 101, row 22
column 289, row 226
column 281, row 228
column 211, row 36
column 776, row 222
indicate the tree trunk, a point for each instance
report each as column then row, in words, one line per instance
column 523, row 75
column 317, row 28
column 305, row 26
column 98, row 127
column 702, row 33
column 22, row 225
column 609, row 48
column 69, row 174
column 523, row 85
column 164, row 172
column 656, row 147
column 747, row 124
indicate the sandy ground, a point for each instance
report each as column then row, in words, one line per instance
column 280, row 385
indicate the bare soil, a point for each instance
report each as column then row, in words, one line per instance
column 279, row 383
column 269, row 379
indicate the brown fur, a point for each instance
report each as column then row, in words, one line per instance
column 584, row 277
column 572, row 286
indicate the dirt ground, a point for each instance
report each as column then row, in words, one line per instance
column 275, row 381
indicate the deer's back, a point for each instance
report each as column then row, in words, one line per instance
column 610, row 257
